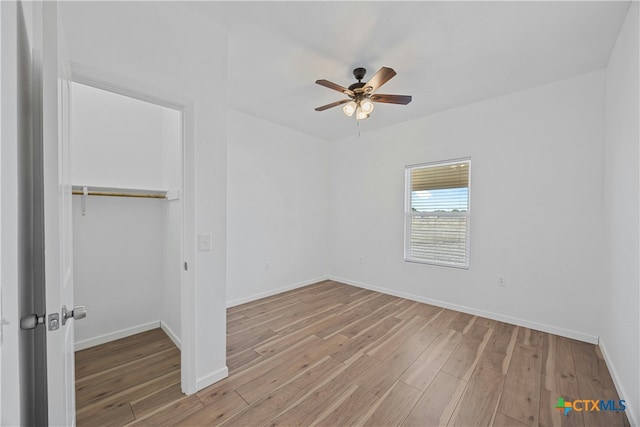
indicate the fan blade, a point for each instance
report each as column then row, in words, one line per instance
column 383, row 75
column 333, row 104
column 392, row 99
column 334, row 86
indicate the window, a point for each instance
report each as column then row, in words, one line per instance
column 437, row 213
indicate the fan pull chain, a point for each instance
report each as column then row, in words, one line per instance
column 358, row 124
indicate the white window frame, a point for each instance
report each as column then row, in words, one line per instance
column 409, row 214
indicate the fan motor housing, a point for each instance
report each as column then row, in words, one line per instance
column 359, row 73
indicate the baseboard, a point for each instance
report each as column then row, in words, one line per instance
column 172, row 335
column 580, row 336
column 630, row 411
column 212, row 378
column 91, row 342
column 271, row 292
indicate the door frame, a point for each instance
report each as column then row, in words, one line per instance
column 133, row 89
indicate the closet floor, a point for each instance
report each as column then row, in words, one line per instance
column 335, row 355
column 127, row 379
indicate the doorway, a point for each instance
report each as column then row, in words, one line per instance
column 128, row 217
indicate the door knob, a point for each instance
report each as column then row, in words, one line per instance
column 30, row 321
column 78, row 312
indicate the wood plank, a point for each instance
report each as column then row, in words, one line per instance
column 394, row 406
column 283, row 342
column 438, row 402
column 91, row 389
column 272, row 405
column 354, row 313
column 530, row 337
column 355, row 327
column 520, row 398
column 304, row 348
column 487, row 323
column 348, row 408
column 558, row 370
column 85, row 413
column 499, row 350
column 420, row 374
column 461, row 321
column 242, row 359
column 261, row 385
column 313, row 406
column 479, row 402
column 248, row 339
column 440, row 321
column 465, row 357
column 501, row 420
column 364, row 340
column 133, row 349
column 223, row 408
column 144, row 406
column 171, row 413
column 419, row 309
column 244, row 323
column 390, row 342
column 591, row 367
column 383, row 376
column 309, row 319
column 266, row 306
column 109, row 349
column 114, row 416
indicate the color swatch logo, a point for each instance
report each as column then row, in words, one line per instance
column 590, row 405
column 563, row 406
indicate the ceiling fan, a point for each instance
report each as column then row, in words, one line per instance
column 361, row 95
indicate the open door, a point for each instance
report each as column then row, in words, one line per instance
column 58, row 253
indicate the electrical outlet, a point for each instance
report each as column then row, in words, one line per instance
column 267, row 266
column 502, row 281
column 361, row 260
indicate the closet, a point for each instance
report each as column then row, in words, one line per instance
column 126, row 170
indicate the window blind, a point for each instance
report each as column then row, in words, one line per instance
column 437, row 213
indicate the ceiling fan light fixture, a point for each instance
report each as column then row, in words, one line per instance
column 360, row 114
column 366, row 105
column 349, row 108
column 361, row 96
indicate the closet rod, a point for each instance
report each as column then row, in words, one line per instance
column 118, row 194
column 79, row 190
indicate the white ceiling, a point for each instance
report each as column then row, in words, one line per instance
column 446, row 54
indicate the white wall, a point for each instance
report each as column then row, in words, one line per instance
column 536, row 199
column 118, row 272
column 117, row 140
column 127, row 252
column 188, row 67
column 620, row 330
column 276, row 207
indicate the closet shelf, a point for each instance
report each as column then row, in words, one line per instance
column 79, row 190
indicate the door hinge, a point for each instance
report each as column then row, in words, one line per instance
column 186, row 266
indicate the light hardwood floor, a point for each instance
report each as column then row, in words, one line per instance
column 335, row 355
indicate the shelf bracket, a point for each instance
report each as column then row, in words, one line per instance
column 83, row 202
